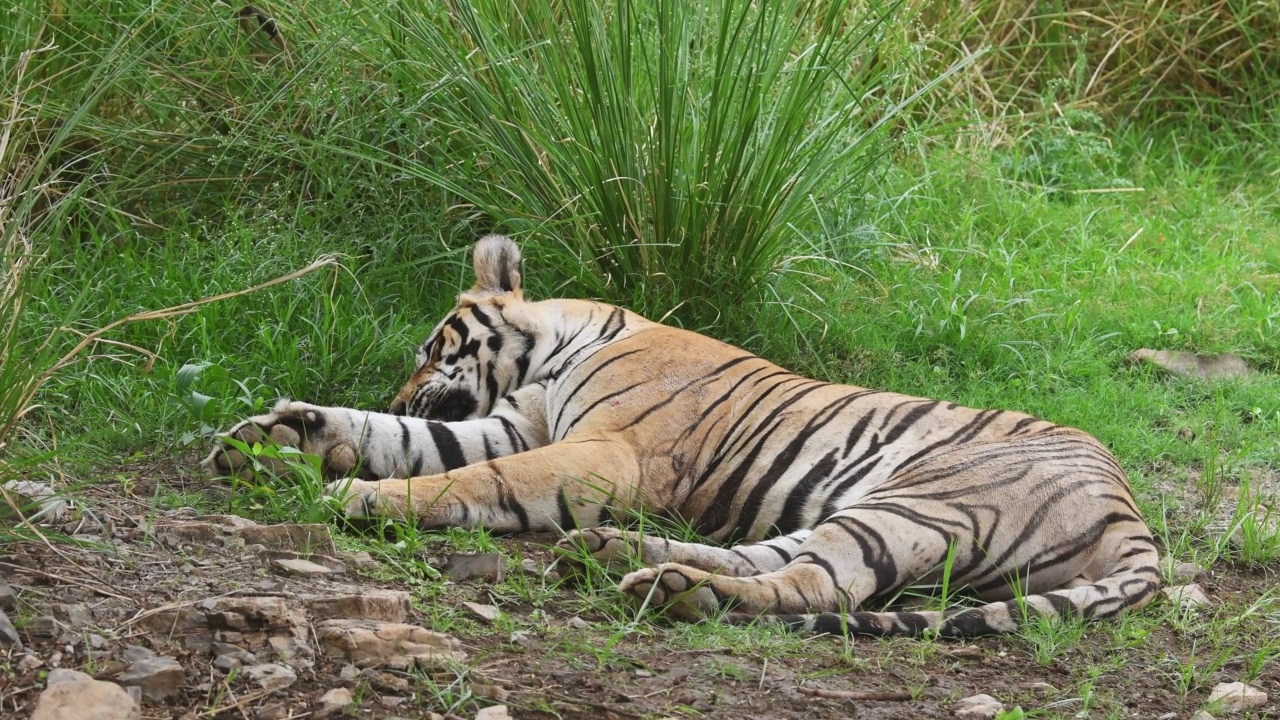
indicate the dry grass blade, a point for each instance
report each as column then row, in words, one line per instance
column 169, row 312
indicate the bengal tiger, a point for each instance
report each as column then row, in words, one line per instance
column 553, row 415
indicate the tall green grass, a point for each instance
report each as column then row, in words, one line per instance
column 672, row 147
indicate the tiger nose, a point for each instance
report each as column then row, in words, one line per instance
column 398, row 407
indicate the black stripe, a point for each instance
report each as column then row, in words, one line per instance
column 964, row 434
column 567, row 521
column 450, row 451
column 568, row 398
column 598, row 401
column 673, row 394
column 507, row 500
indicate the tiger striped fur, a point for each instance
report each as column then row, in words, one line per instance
column 551, row 415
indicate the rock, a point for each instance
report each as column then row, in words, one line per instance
column 1202, row 715
column 1185, row 573
column 158, row 677
column 384, row 605
column 519, row 637
column 348, row 673
column 76, row 615
column 530, row 567
column 496, row 712
column 8, row 633
column 29, row 662
column 493, row 692
column 42, row 502
column 179, row 621
column 302, row 538
column 360, row 560
column 1167, row 716
column 487, row 613
column 291, row 652
column 234, row 522
column 227, row 663
column 466, row 566
column 242, row 614
column 44, row 626
column 299, row 568
column 198, row 643
column 386, row 682
column 85, row 700
column 334, row 700
column 1237, row 697
column 978, row 706
column 274, row 711
column 1187, row 597
column 8, row 598
column 269, row 557
column 198, row 533
column 96, row 641
column 136, row 653
column 61, row 675
column 577, row 623
column 272, row 676
column 1205, row 367
column 367, row 643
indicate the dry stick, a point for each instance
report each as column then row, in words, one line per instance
column 165, row 608
column 855, row 694
column 239, row 703
column 51, row 576
column 13, row 507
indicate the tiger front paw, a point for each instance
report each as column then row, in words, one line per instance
column 290, row 425
column 613, row 548
column 364, row 499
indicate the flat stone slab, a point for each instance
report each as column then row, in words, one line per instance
column 299, row 568
column 460, row 567
column 366, row 643
column 381, row 605
column 303, row 538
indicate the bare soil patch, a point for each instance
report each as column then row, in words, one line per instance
column 181, row 584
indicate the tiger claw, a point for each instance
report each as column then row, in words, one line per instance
column 682, row 591
column 611, row 547
column 361, row 499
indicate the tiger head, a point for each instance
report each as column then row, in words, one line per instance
column 475, row 355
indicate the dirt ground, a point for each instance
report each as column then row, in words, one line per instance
column 143, row 570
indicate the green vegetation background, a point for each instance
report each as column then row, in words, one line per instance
column 993, row 209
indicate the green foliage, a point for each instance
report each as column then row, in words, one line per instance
column 1068, row 151
column 674, row 147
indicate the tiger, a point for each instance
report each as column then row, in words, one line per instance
column 812, row 497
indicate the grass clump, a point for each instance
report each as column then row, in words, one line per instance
column 1122, row 57
column 673, row 147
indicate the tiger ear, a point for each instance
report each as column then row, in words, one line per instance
column 498, row 264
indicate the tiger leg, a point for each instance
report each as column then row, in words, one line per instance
column 615, row 548
column 379, row 445
column 829, row 571
column 553, row 488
